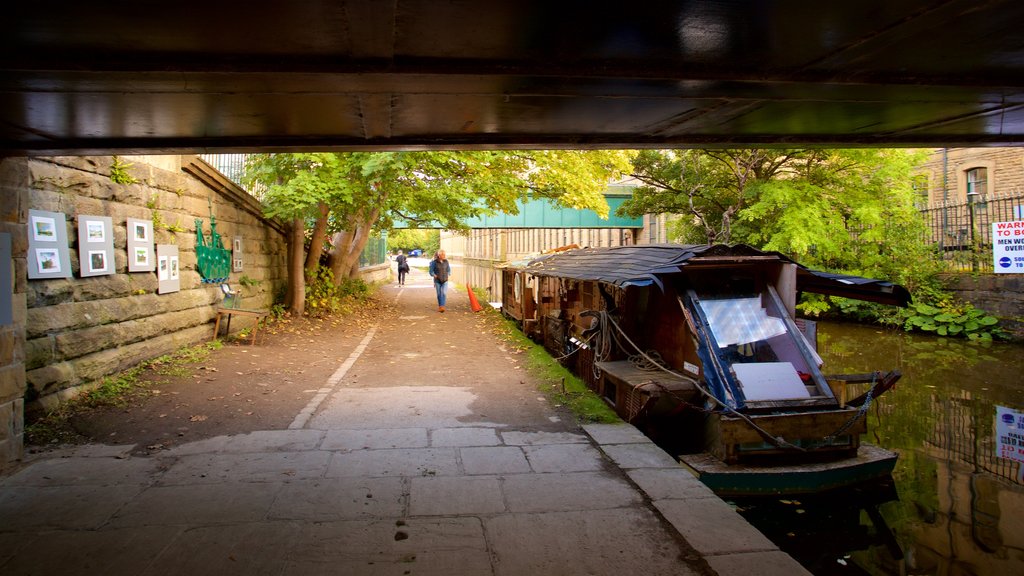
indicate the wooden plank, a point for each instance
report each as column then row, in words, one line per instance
column 805, row 425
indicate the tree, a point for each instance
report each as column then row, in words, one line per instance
column 350, row 195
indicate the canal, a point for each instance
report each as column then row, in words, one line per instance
column 952, row 506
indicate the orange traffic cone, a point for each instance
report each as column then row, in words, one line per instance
column 472, row 300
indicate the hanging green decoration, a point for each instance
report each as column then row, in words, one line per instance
column 212, row 259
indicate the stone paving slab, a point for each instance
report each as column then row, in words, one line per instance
column 455, row 496
column 515, row 438
column 113, row 552
column 207, row 504
column 772, row 562
column 259, row 441
column 86, row 471
column 712, row 527
column 641, row 455
column 661, row 483
column 375, row 439
column 330, row 499
column 606, row 434
column 464, row 437
column 594, row 542
column 411, row 462
column 251, row 466
column 572, row 491
column 251, row 548
column 564, row 458
column 70, row 507
column 419, row 546
column 494, row 460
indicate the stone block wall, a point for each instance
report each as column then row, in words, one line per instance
column 1001, row 295
column 13, row 199
column 78, row 330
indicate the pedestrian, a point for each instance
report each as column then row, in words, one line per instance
column 439, row 270
column 403, row 267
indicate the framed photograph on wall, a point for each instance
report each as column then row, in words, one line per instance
column 48, row 260
column 140, row 245
column 44, row 229
column 167, row 268
column 140, row 257
column 97, row 261
column 236, row 254
column 48, row 253
column 95, row 245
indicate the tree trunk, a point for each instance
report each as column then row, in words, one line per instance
column 349, row 244
column 316, row 243
column 295, row 299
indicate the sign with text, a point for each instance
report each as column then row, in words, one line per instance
column 1009, row 434
column 1008, row 247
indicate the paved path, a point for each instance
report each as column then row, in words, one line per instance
column 426, row 453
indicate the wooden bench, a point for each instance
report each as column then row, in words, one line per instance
column 259, row 315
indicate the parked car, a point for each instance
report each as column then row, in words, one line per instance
column 416, row 253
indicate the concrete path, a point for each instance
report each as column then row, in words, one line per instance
column 426, row 453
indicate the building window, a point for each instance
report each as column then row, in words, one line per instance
column 920, row 185
column 977, row 183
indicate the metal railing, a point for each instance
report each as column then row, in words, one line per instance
column 962, row 232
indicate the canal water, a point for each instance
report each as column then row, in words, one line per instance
column 953, row 506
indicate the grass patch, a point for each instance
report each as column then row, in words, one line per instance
column 114, row 391
column 557, row 383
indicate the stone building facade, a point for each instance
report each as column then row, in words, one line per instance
column 949, row 174
column 69, row 333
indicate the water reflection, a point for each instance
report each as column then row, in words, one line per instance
column 960, row 507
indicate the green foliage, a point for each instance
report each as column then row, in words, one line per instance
column 248, row 282
column 407, row 239
column 324, row 298
column 119, row 172
column 947, row 317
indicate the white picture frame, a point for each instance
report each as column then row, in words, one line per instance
column 140, row 231
column 162, row 268
column 95, row 231
column 141, row 256
column 174, row 268
column 48, row 260
column 97, row 261
column 44, row 229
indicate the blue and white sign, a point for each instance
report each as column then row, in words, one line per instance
column 1009, row 434
column 1008, row 247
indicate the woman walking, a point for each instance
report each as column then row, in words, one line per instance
column 439, row 270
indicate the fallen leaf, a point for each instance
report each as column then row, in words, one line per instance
column 197, row 418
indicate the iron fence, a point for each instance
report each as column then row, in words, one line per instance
column 375, row 252
column 962, row 232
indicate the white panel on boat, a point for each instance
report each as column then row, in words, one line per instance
column 770, row 381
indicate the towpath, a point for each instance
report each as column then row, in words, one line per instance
column 424, row 449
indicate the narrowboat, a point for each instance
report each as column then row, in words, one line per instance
column 699, row 347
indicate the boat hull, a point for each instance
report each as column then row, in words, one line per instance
column 870, row 463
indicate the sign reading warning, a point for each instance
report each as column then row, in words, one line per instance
column 1008, row 247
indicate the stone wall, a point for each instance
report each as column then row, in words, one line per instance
column 13, row 198
column 1001, row 295
column 79, row 330
column 946, row 168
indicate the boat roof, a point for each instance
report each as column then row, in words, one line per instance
column 642, row 265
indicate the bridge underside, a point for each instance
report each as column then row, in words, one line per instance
column 81, row 77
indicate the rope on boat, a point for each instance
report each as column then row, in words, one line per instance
column 777, row 441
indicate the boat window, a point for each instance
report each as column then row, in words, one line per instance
column 739, row 321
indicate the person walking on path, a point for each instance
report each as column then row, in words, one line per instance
column 403, row 267
column 439, row 271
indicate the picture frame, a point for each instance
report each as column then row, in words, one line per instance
column 140, row 231
column 95, row 231
column 48, row 260
column 44, row 229
column 174, row 268
column 97, row 261
column 162, row 271
column 141, row 256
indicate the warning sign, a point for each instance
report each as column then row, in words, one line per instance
column 1008, row 247
column 1009, row 434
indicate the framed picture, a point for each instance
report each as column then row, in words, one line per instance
column 94, row 231
column 97, row 261
column 44, row 229
column 48, row 260
column 174, row 267
column 162, row 268
column 237, row 246
column 141, row 257
column 140, row 232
